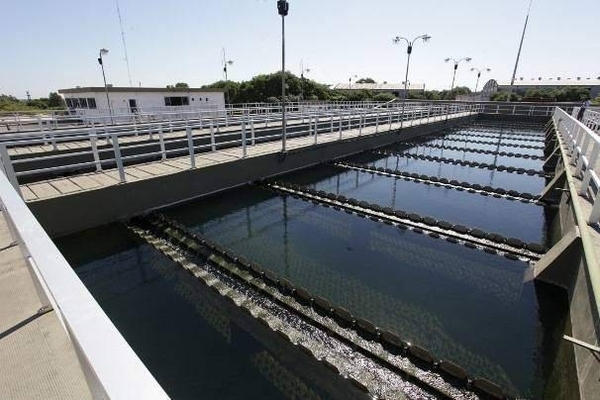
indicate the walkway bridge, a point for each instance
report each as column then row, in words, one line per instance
column 81, row 177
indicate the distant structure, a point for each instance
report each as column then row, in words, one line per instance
column 521, row 85
column 397, row 89
column 135, row 100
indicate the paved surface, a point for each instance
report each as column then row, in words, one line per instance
column 95, row 180
column 37, row 359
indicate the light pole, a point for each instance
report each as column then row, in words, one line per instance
column 350, row 81
column 512, row 80
column 282, row 8
column 101, row 53
column 226, row 62
column 456, row 62
column 409, row 48
column 479, row 71
column 302, row 70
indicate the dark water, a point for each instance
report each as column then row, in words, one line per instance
column 476, row 309
column 464, row 305
column 484, row 177
column 194, row 343
column 491, row 215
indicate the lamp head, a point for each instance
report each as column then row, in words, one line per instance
column 488, row 69
column 103, row 51
column 396, row 40
column 229, row 62
column 468, row 59
column 446, row 59
column 426, row 38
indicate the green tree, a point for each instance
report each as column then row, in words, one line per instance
column 55, row 100
column 384, row 97
column 366, row 80
column 178, row 85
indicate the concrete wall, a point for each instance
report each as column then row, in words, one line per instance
column 72, row 213
column 571, row 272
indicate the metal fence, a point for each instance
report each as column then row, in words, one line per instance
column 210, row 135
column 583, row 146
column 110, row 366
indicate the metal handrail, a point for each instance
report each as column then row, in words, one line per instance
column 340, row 119
column 111, row 367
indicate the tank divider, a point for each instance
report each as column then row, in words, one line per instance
column 475, row 164
column 443, row 182
column 480, row 151
column 314, row 310
column 491, row 243
column 522, row 146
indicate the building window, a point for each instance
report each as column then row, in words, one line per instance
column 177, row 101
column 75, row 103
column 83, row 103
column 207, row 99
column 91, row 102
column 69, row 103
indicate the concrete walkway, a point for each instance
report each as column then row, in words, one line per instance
column 46, row 189
column 37, row 359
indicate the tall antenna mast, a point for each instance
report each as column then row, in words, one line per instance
column 124, row 44
column 512, row 81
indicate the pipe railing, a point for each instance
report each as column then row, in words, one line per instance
column 313, row 124
column 583, row 146
column 111, row 367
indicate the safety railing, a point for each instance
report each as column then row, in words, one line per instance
column 111, row 367
column 583, row 146
column 105, row 145
column 590, row 118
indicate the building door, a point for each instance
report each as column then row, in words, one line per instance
column 133, row 106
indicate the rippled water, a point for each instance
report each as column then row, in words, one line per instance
column 194, row 343
column 476, row 309
column 450, row 299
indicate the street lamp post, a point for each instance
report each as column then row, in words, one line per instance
column 409, row 48
column 302, row 70
column 456, row 62
column 282, row 8
column 100, row 61
column 479, row 71
column 226, row 62
column 350, row 81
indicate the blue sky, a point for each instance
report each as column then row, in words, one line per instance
column 49, row 45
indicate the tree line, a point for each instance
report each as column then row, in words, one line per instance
column 52, row 102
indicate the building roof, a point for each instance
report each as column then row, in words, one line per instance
column 128, row 89
column 378, row 86
column 553, row 82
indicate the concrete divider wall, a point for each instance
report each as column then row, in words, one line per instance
column 570, row 271
column 84, row 210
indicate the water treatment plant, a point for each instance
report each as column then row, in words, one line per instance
column 435, row 253
column 282, row 238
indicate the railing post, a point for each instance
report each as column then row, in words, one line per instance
column 316, row 127
column 252, row 132
column 377, row 121
column 9, row 171
column 340, row 125
column 243, row 138
column 170, row 124
column 213, row 146
column 190, row 139
column 118, row 159
column 93, row 139
column 161, row 139
column 331, row 122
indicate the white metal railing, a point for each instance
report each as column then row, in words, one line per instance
column 111, row 367
column 583, row 146
column 591, row 118
column 244, row 130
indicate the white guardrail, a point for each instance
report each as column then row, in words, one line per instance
column 246, row 130
column 583, row 146
column 111, row 367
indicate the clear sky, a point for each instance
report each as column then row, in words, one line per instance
column 50, row 45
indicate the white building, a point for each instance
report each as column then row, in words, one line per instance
column 91, row 101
